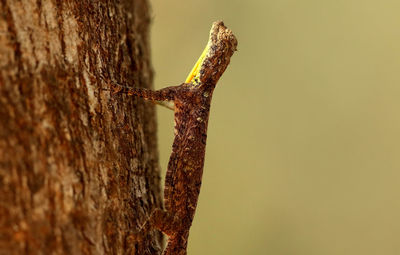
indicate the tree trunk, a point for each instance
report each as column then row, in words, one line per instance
column 78, row 163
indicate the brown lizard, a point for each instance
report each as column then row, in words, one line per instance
column 192, row 101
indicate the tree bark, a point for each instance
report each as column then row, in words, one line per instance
column 78, row 163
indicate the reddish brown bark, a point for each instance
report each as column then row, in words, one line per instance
column 78, row 165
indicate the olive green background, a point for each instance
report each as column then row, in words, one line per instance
column 303, row 153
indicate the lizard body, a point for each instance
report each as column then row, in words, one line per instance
column 192, row 101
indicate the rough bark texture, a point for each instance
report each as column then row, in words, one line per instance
column 78, row 164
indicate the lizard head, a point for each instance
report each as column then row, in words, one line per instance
column 215, row 57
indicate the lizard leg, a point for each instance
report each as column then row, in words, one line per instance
column 159, row 219
column 163, row 97
column 163, row 221
column 168, row 224
column 165, row 94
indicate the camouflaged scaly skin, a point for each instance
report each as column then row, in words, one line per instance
column 185, row 168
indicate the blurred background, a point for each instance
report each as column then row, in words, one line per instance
column 303, row 153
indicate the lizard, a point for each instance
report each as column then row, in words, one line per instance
column 192, row 100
